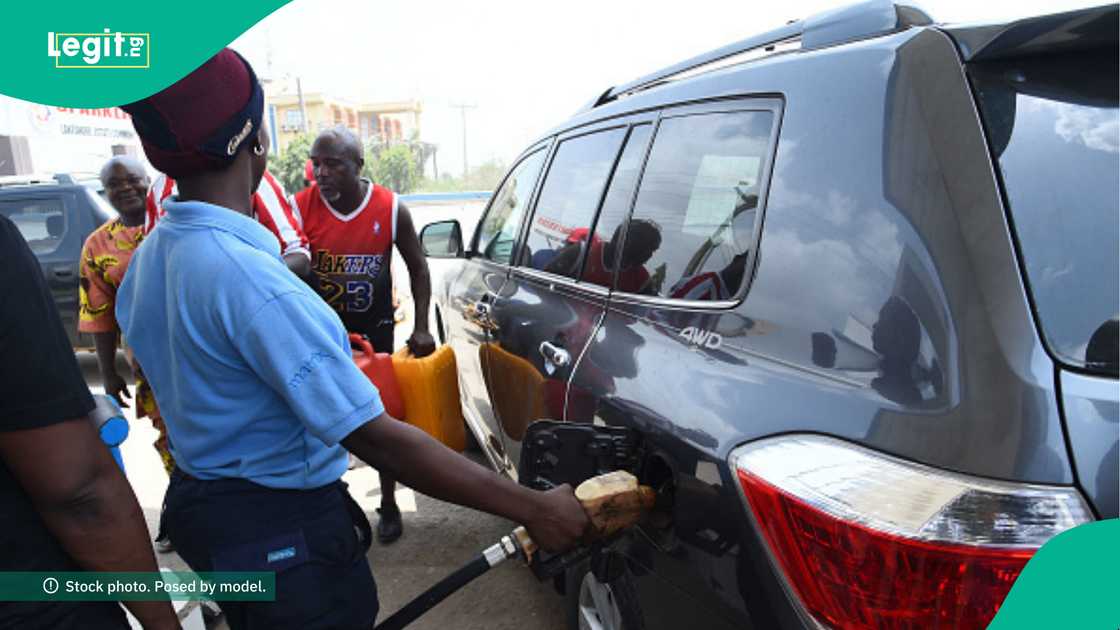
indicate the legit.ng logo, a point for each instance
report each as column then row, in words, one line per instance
column 106, row 50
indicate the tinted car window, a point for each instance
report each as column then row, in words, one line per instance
column 599, row 265
column 41, row 222
column 498, row 231
column 693, row 221
column 569, row 198
column 1054, row 127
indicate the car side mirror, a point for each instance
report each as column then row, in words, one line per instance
column 443, row 239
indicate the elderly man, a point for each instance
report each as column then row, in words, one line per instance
column 257, row 385
column 105, row 257
column 352, row 225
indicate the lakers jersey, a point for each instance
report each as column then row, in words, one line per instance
column 351, row 254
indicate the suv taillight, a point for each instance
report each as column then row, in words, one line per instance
column 866, row 540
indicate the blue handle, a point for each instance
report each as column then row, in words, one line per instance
column 111, row 425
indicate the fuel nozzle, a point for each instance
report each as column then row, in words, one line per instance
column 613, row 502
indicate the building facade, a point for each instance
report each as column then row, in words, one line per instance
column 43, row 139
column 374, row 123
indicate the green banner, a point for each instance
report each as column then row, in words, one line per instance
column 91, row 586
column 1069, row 583
column 102, row 54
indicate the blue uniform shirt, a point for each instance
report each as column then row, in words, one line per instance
column 252, row 371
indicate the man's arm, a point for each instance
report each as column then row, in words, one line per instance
column 97, row 298
column 299, row 264
column 277, row 212
column 86, row 503
column 555, row 519
column 62, row 465
column 106, row 345
column 421, row 342
column 297, row 345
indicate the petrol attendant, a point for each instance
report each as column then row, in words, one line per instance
column 257, row 386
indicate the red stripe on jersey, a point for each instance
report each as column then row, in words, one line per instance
column 271, row 208
column 275, row 204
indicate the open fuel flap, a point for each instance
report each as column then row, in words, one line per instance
column 555, row 453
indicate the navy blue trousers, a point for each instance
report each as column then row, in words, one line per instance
column 314, row 540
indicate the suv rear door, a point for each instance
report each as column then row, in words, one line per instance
column 668, row 359
column 55, row 230
column 472, row 292
column 546, row 311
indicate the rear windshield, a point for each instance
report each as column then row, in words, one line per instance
column 1054, row 126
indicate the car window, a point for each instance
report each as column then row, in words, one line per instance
column 1054, row 131
column 599, row 267
column 498, row 230
column 569, row 198
column 102, row 211
column 41, row 222
column 692, row 227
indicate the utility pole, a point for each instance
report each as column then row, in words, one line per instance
column 302, row 109
column 463, row 107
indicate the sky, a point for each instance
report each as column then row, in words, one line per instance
column 521, row 67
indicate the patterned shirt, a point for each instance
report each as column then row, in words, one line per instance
column 105, row 257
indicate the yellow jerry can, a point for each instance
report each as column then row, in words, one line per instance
column 430, row 388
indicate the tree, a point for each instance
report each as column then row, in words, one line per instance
column 288, row 166
column 486, row 176
column 481, row 178
column 396, row 168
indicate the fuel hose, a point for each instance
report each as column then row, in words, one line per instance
column 483, row 562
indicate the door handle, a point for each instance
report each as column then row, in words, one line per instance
column 558, row 357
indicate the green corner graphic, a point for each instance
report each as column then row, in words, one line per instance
column 142, row 47
column 1070, row 583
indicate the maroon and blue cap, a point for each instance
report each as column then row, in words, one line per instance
column 202, row 121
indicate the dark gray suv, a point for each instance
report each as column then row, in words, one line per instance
column 844, row 293
column 55, row 216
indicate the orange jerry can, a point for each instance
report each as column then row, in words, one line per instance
column 378, row 368
column 430, row 388
column 523, row 389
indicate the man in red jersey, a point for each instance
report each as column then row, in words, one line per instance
column 352, row 225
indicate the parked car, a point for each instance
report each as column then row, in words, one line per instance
column 844, row 293
column 55, row 215
column 466, row 208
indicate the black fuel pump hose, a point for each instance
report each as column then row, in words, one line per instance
column 481, row 563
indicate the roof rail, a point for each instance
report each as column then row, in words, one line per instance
column 32, row 179
column 857, row 21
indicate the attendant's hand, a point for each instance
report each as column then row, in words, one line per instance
column 559, row 522
column 421, row 343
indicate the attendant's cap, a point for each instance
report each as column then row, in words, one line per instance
column 202, row 121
